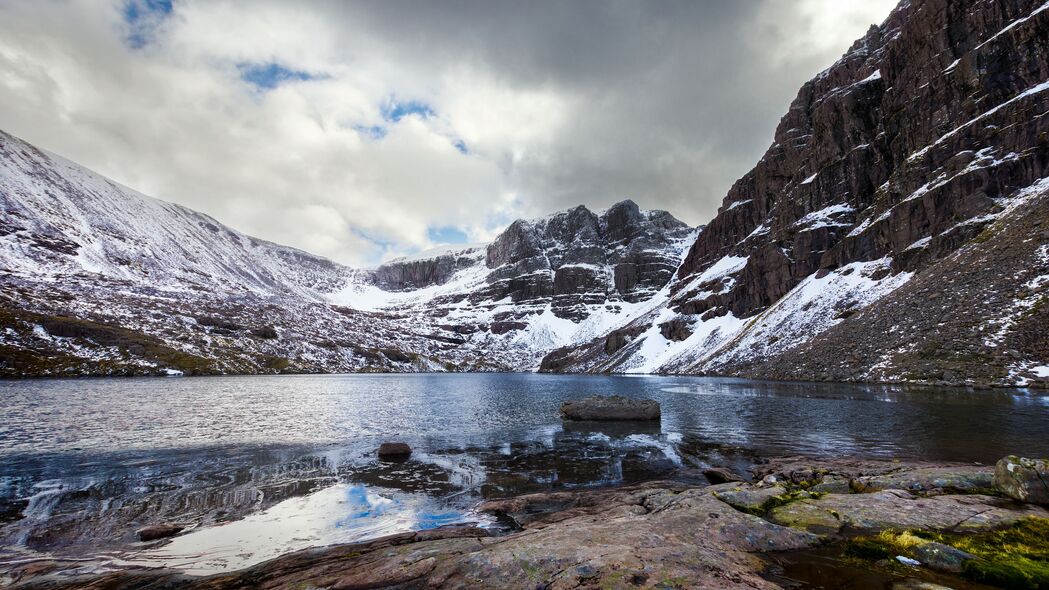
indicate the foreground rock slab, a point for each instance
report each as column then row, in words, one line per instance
column 612, row 408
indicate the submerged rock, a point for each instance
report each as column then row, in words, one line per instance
column 394, row 451
column 1023, row 479
column 158, row 531
column 610, row 408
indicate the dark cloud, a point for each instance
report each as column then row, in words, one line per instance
column 383, row 127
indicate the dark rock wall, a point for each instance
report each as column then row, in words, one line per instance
column 578, row 258
column 916, row 130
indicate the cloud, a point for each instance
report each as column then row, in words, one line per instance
column 362, row 131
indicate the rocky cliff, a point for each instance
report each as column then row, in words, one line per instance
column 893, row 229
column 541, row 284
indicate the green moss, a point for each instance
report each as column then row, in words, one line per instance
column 1015, row 557
column 871, row 548
column 784, row 499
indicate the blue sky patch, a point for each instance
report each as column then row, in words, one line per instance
column 270, row 75
column 394, row 111
column 447, row 235
column 461, row 146
column 372, row 132
column 142, row 17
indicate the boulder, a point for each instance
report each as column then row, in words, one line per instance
column 158, row 531
column 716, row 475
column 610, row 408
column 1023, row 479
column 394, row 451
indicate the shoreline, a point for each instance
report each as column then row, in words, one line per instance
column 658, row 534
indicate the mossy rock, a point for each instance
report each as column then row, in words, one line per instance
column 1014, row 557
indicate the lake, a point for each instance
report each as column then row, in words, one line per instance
column 256, row 466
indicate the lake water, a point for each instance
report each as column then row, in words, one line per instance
column 258, row 466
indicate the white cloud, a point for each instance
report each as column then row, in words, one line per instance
column 556, row 104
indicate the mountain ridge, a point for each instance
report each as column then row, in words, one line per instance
column 101, row 279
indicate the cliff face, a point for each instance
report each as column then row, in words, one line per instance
column 912, row 153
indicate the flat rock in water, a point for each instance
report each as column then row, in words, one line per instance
column 1023, row 479
column 615, row 407
column 158, row 531
column 394, row 451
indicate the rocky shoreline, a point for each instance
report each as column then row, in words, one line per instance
column 903, row 524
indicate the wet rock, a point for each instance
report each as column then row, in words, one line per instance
column 833, row 485
column 1023, row 479
column 158, row 531
column 755, row 500
column 899, row 509
column 394, row 451
column 610, row 408
column 718, row 475
column 942, row 557
column 930, row 479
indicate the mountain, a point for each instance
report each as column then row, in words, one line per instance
column 99, row 279
column 896, row 230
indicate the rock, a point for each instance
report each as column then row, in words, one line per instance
column 930, row 479
column 899, row 509
column 751, row 499
column 610, row 408
column 942, row 557
column 158, row 531
column 394, row 451
column 718, row 475
column 833, row 485
column 1023, row 479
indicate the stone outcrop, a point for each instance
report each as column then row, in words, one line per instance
column 578, row 258
column 423, row 271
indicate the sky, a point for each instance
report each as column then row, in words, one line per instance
column 362, row 131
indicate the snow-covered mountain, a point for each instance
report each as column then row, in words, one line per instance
column 896, row 229
column 100, row 279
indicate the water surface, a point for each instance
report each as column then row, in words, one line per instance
column 258, row 466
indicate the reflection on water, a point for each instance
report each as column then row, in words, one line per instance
column 258, row 466
column 342, row 513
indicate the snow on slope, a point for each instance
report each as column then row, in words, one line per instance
column 76, row 244
column 122, row 234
